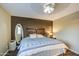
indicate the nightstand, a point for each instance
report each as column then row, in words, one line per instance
column 51, row 36
column 12, row 45
column 54, row 38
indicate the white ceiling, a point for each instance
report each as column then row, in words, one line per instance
column 35, row 10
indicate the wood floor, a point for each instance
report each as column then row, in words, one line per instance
column 68, row 53
column 12, row 53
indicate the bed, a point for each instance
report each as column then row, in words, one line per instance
column 38, row 45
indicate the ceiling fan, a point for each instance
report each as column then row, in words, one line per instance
column 49, row 8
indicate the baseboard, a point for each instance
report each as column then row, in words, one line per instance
column 5, row 53
column 74, row 51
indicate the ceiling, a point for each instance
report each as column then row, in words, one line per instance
column 35, row 10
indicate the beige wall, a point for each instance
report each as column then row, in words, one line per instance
column 67, row 30
column 5, row 30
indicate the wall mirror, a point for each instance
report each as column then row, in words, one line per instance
column 19, row 33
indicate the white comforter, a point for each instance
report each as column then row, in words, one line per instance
column 31, row 46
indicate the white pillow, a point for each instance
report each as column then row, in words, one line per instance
column 32, row 35
column 39, row 36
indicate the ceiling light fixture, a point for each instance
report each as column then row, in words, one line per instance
column 49, row 8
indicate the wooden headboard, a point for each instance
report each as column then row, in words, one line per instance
column 35, row 30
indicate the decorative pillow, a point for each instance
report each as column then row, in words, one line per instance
column 32, row 35
column 39, row 36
